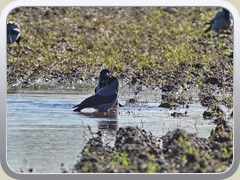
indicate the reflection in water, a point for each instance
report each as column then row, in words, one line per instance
column 110, row 114
column 108, row 125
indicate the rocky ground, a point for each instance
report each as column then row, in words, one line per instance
column 163, row 48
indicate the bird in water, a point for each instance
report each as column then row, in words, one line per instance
column 13, row 33
column 220, row 22
column 105, row 98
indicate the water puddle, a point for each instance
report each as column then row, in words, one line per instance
column 43, row 131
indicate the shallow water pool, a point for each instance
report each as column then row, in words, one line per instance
column 43, row 131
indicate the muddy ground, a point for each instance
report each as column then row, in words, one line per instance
column 163, row 48
column 138, row 151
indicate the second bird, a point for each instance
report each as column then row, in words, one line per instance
column 13, row 33
column 220, row 22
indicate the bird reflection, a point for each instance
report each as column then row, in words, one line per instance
column 108, row 125
column 111, row 114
